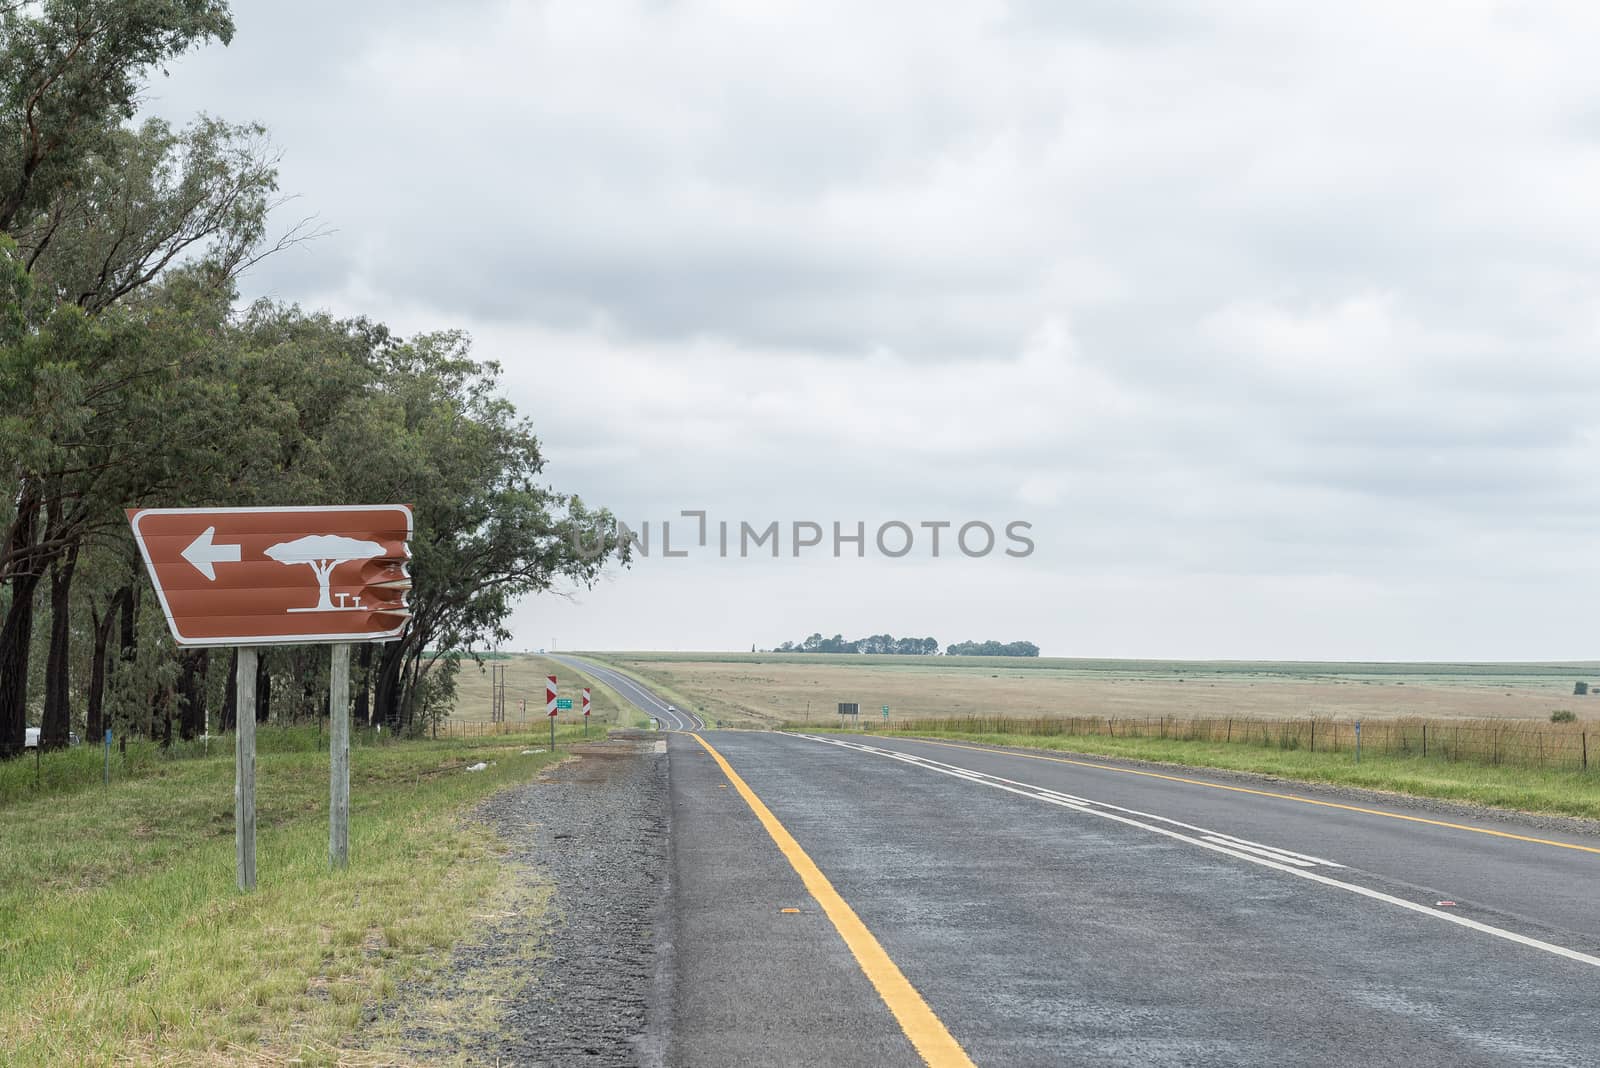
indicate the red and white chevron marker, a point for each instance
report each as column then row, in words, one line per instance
column 586, row 700
column 550, row 695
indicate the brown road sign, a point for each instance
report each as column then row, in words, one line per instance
column 270, row 576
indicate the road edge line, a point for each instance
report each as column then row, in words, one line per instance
column 927, row 1033
column 1092, row 808
column 1011, row 751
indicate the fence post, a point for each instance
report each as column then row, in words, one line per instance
column 1313, row 735
column 1424, row 739
column 1358, row 741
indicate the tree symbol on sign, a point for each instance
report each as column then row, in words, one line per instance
column 322, row 553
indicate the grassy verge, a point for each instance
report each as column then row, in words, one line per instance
column 1555, row 792
column 122, row 937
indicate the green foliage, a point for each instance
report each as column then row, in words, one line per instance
column 70, row 73
column 992, row 648
column 1562, row 715
column 876, row 644
column 127, row 378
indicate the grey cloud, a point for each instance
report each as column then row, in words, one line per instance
column 1325, row 284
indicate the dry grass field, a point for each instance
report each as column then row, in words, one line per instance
column 525, row 676
column 768, row 689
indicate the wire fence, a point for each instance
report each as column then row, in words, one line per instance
column 1517, row 743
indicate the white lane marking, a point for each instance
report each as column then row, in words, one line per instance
column 1264, row 851
column 1304, row 857
column 1276, row 852
column 1220, row 845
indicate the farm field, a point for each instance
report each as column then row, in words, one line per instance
column 767, row 689
column 525, row 675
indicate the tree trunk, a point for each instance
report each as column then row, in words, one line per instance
column 310, row 705
column 263, row 688
column 192, row 694
column 16, row 638
column 16, row 634
column 94, row 727
column 386, row 696
column 57, row 719
column 128, row 600
column 409, row 705
column 162, row 709
column 364, row 662
column 230, row 696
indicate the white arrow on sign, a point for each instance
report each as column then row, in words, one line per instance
column 202, row 553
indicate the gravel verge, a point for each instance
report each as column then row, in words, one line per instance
column 573, row 982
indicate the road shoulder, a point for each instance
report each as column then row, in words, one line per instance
column 569, row 975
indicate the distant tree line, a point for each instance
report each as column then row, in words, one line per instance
column 129, row 377
column 992, row 648
column 877, row 643
column 887, row 643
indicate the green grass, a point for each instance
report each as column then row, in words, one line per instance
column 69, row 770
column 1558, row 792
column 122, row 936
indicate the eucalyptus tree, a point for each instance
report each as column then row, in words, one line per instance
column 116, row 289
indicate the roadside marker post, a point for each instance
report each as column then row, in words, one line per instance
column 255, row 577
column 1358, row 741
column 586, row 707
column 550, row 707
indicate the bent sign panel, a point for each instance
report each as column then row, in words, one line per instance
column 270, row 576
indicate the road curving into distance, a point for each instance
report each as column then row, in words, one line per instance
column 670, row 718
column 852, row 899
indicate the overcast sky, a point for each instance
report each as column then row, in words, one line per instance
column 1277, row 321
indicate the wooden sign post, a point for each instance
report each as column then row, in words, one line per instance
column 252, row 577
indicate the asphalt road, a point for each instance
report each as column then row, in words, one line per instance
column 1081, row 911
column 670, row 717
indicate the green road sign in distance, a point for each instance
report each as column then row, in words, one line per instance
column 563, row 704
column 886, row 710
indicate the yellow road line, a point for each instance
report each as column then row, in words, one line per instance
column 926, row 1031
column 1264, row 793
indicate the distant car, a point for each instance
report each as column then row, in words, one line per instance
column 672, row 708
